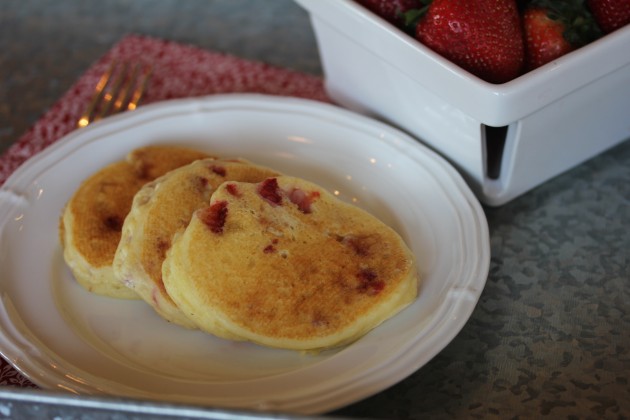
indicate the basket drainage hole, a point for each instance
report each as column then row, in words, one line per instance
column 495, row 144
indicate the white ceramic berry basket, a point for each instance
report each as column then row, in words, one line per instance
column 505, row 139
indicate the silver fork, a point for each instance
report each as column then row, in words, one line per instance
column 119, row 89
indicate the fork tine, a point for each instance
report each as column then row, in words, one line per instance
column 108, row 98
column 117, row 90
column 137, row 94
column 96, row 97
column 125, row 92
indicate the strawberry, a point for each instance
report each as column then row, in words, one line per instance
column 553, row 29
column 482, row 36
column 610, row 14
column 390, row 10
column 543, row 38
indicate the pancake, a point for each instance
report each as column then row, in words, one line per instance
column 159, row 210
column 151, row 162
column 91, row 223
column 286, row 264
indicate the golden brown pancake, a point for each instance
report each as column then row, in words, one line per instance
column 159, row 210
column 286, row 264
column 151, row 162
column 90, row 226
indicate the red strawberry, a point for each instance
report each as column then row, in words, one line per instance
column 481, row 36
column 553, row 29
column 610, row 14
column 390, row 10
column 543, row 38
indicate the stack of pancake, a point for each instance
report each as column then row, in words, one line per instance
column 235, row 249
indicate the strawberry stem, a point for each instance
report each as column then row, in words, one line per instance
column 412, row 16
column 580, row 27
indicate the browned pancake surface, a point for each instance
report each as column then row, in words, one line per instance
column 286, row 264
column 151, row 162
column 99, row 208
column 161, row 209
column 93, row 218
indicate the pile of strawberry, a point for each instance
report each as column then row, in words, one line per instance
column 498, row 40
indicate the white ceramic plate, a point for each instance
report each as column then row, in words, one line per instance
column 64, row 338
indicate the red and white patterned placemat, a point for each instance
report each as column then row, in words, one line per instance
column 178, row 71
